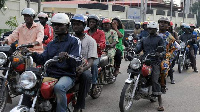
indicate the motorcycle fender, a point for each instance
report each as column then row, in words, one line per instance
column 20, row 108
column 129, row 81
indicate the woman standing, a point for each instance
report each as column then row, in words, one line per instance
column 119, row 28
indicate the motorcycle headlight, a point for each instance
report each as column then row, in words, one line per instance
column 130, row 38
column 135, row 63
column 182, row 45
column 27, row 80
column 3, row 58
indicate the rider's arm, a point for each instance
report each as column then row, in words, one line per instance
column 40, row 35
column 50, row 36
column 14, row 36
column 139, row 46
column 102, row 41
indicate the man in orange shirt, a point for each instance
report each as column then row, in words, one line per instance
column 48, row 30
column 28, row 33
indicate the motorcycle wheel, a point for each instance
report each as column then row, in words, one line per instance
column 3, row 97
column 125, row 56
column 96, row 91
column 180, row 64
column 126, row 101
column 112, row 78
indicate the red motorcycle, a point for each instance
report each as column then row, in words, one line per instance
column 34, row 84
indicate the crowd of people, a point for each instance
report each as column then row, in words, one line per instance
column 88, row 41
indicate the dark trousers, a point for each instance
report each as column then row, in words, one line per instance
column 170, row 72
column 118, row 58
column 192, row 58
column 84, row 87
column 156, row 87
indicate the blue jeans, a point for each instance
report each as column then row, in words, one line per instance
column 94, row 70
column 60, row 90
column 195, row 49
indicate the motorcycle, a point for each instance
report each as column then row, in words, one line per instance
column 138, row 85
column 35, row 84
column 183, row 59
column 12, row 64
column 129, row 44
column 105, row 75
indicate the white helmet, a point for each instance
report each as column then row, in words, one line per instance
column 137, row 23
column 60, row 18
column 152, row 24
column 28, row 11
column 42, row 15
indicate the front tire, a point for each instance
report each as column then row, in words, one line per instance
column 180, row 64
column 96, row 91
column 126, row 99
column 3, row 97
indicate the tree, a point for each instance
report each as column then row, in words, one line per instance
column 12, row 22
column 195, row 9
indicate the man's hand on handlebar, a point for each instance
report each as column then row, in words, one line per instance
column 63, row 55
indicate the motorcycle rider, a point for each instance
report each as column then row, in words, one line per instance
column 144, row 32
column 119, row 28
column 137, row 29
column 99, row 36
column 149, row 45
column 111, row 39
column 48, row 30
column 62, row 46
column 28, row 32
column 189, row 36
column 181, row 31
column 192, row 27
column 171, row 53
column 89, row 52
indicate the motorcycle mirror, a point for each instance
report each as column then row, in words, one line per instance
column 160, row 49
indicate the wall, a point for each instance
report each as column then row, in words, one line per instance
column 14, row 8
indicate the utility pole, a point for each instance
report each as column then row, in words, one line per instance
column 39, row 6
column 183, row 11
column 171, row 10
column 145, row 10
column 142, row 11
column 28, row 3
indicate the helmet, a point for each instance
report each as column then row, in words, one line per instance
column 171, row 23
column 164, row 19
column 42, row 15
column 60, row 18
column 78, row 17
column 145, row 23
column 106, row 20
column 137, row 23
column 28, row 11
column 146, row 70
column 93, row 17
column 183, row 24
column 192, row 25
column 152, row 24
column 187, row 26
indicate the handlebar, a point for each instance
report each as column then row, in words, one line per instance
column 57, row 59
column 25, row 46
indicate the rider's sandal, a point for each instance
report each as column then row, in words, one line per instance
column 160, row 109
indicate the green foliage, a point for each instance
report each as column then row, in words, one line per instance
column 195, row 9
column 3, row 31
column 12, row 22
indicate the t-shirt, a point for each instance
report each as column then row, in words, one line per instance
column 89, row 47
column 119, row 44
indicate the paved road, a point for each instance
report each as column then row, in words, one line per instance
column 184, row 96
